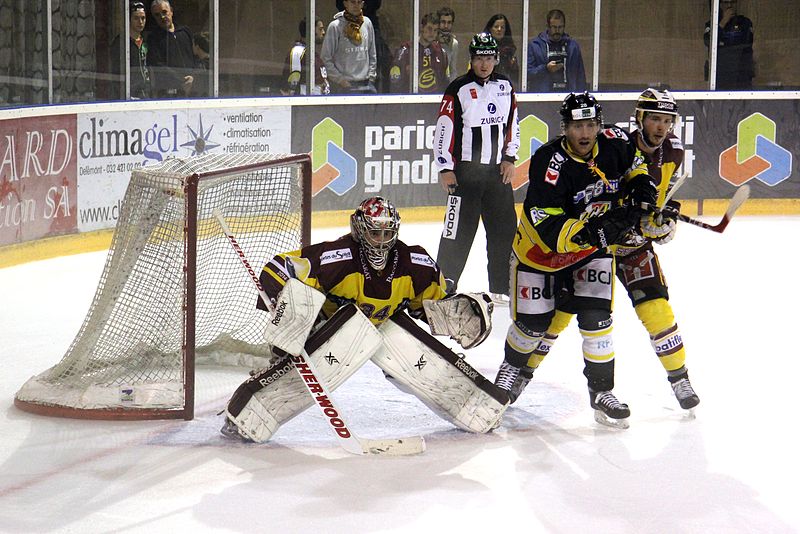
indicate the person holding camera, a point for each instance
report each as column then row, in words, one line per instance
column 555, row 63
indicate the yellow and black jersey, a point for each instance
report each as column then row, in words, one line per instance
column 564, row 190
column 341, row 271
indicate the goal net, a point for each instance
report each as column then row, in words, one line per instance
column 172, row 292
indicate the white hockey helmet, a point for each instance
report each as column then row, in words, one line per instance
column 655, row 101
column 374, row 225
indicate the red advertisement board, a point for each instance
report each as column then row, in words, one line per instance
column 38, row 178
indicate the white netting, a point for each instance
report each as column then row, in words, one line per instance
column 128, row 352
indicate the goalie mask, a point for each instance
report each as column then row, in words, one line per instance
column 374, row 225
column 652, row 101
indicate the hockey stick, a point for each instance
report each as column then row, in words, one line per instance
column 741, row 195
column 311, row 379
column 659, row 216
column 678, row 183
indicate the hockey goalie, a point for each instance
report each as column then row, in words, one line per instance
column 355, row 299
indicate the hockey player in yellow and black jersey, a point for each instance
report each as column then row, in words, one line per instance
column 369, row 267
column 573, row 213
column 637, row 265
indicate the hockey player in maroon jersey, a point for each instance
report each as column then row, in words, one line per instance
column 638, row 267
column 584, row 196
column 357, row 288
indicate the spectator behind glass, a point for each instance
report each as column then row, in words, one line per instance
column 349, row 51
column 382, row 52
column 432, row 61
column 448, row 41
column 139, row 72
column 499, row 27
column 202, row 76
column 295, row 67
column 555, row 63
column 735, row 64
column 170, row 54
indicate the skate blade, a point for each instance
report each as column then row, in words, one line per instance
column 689, row 414
column 230, row 431
column 603, row 419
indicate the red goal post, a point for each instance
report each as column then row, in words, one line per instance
column 171, row 294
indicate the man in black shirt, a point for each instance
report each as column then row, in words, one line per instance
column 170, row 54
column 735, row 65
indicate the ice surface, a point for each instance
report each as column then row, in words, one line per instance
column 548, row 468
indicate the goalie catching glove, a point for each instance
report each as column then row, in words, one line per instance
column 465, row 317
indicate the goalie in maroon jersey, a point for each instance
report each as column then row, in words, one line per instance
column 344, row 302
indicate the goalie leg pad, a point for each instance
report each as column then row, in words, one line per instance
column 465, row 317
column 273, row 396
column 296, row 310
column 419, row 364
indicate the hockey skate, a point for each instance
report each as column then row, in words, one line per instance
column 506, row 377
column 684, row 392
column 520, row 383
column 231, row 431
column 608, row 410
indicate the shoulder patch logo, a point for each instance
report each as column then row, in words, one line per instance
column 676, row 143
column 554, row 168
column 422, row 259
column 332, row 256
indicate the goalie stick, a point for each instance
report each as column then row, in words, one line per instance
column 322, row 399
column 741, row 195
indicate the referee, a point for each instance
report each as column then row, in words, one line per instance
column 475, row 146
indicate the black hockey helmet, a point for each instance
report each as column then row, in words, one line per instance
column 483, row 44
column 580, row 106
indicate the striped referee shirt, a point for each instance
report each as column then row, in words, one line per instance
column 477, row 122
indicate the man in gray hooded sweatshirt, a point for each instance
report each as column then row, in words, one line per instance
column 348, row 51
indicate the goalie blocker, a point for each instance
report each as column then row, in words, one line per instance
column 413, row 360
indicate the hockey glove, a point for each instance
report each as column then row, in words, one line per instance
column 661, row 226
column 608, row 229
column 641, row 190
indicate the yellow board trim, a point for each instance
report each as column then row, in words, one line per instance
column 66, row 245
